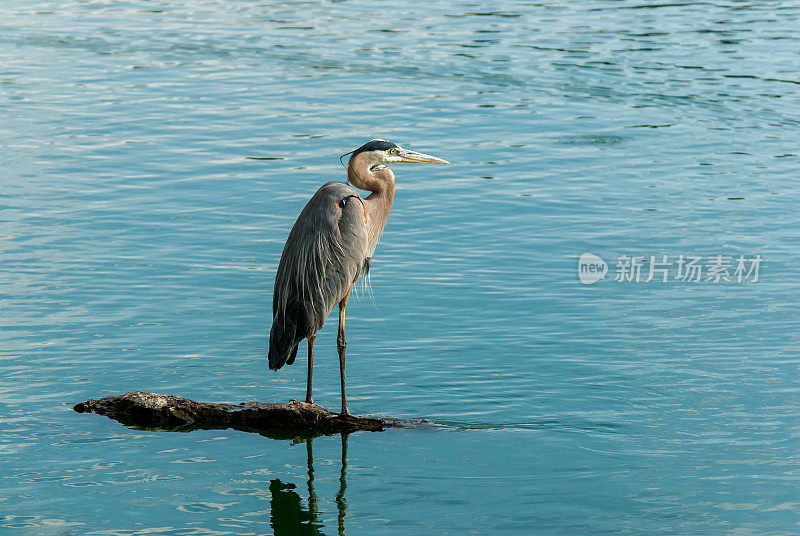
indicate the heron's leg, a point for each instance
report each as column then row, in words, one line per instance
column 309, row 398
column 341, row 344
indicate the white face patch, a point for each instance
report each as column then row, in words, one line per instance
column 390, row 158
column 379, row 159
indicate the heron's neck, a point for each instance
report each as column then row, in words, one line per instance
column 378, row 205
column 379, row 181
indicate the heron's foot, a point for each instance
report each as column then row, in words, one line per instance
column 345, row 412
column 309, row 400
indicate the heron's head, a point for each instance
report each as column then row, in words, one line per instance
column 382, row 152
column 369, row 162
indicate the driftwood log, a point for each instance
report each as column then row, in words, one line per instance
column 174, row 413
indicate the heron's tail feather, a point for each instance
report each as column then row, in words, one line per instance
column 292, row 356
column 283, row 343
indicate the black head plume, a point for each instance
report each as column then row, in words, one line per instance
column 371, row 145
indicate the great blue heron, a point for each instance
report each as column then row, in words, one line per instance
column 330, row 245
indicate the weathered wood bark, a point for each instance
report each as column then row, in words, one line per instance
column 175, row 413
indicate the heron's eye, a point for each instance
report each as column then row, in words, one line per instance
column 392, row 151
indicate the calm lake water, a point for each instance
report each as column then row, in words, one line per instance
column 155, row 154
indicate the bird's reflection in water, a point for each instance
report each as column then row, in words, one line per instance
column 288, row 516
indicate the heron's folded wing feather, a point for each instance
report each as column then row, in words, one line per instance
column 322, row 257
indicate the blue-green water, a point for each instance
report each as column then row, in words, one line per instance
column 155, row 154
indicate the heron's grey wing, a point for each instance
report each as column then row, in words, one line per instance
column 349, row 251
column 322, row 257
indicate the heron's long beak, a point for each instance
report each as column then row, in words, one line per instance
column 413, row 156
